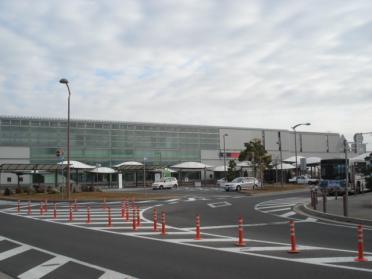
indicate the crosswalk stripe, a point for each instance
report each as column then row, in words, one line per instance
column 44, row 268
column 13, row 252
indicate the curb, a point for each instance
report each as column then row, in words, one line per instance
column 357, row 221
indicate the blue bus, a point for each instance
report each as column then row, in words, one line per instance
column 333, row 175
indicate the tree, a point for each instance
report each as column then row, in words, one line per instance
column 231, row 170
column 256, row 153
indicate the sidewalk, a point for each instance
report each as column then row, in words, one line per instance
column 359, row 209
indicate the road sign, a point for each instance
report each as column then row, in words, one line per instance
column 303, row 164
column 59, row 152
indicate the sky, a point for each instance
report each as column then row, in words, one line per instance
column 252, row 63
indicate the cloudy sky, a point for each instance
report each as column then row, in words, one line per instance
column 252, row 63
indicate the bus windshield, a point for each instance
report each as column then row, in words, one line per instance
column 333, row 170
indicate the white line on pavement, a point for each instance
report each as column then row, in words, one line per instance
column 288, row 214
column 276, row 210
column 44, row 268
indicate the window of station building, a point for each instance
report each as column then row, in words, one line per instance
column 54, row 124
column 20, row 179
column 35, row 123
column 80, row 125
column 5, row 122
column 44, row 123
column 115, row 126
column 8, row 179
column 15, row 122
column 98, row 125
column 106, row 126
column 123, row 126
column 90, row 125
column 63, row 124
column 25, row 123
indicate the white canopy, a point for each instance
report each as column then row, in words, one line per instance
column 361, row 157
column 220, row 168
column 191, row 165
column 77, row 165
column 293, row 159
column 285, row 166
column 103, row 170
column 243, row 164
column 313, row 160
column 130, row 163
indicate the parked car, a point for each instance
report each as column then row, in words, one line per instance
column 165, row 183
column 240, row 183
column 304, row 179
column 221, row 182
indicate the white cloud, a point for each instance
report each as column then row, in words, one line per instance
column 239, row 63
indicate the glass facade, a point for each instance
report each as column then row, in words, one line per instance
column 108, row 143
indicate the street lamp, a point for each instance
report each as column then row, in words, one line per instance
column 65, row 81
column 224, row 155
column 295, row 135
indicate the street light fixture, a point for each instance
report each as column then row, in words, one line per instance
column 65, row 81
column 224, row 155
column 295, row 135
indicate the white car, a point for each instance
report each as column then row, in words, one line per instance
column 221, row 182
column 303, row 179
column 165, row 183
column 240, row 183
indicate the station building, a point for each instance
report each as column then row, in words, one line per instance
column 36, row 140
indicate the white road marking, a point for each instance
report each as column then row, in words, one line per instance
column 172, row 200
column 276, row 248
column 13, row 252
column 288, row 214
column 110, row 274
column 330, row 260
column 274, row 206
column 192, row 243
column 219, row 204
column 44, row 268
column 276, row 210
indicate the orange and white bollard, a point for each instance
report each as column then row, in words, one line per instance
column 41, row 208
column 163, row 230
column 109, row 219
column 18, row 206
column 138, row 216
column 293, row 238
column 360, row 257
column 29, row 209
column 126, row 211
column 134, row 222
column 155, row 218
column 55, row 211
column 197, row 223
column 122, row 210
column 241, row 241
column 46, row 205
column 70, row 217
column 75, row 205
column 88, row 215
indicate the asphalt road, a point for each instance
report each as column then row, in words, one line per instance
column 41, row 246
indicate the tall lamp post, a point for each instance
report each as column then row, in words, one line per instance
column 295, row 135
column 65, row 81
column 224, row 155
